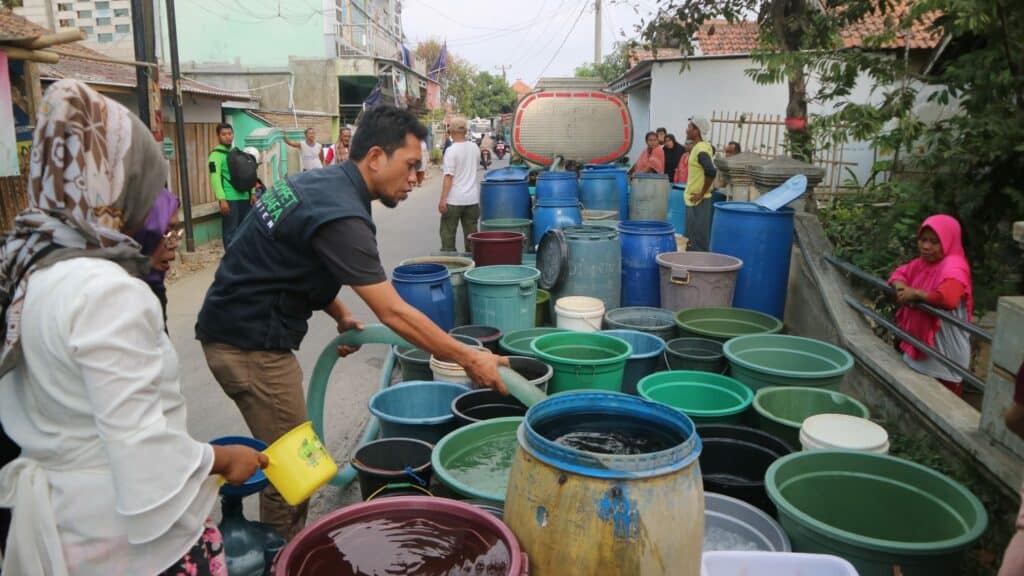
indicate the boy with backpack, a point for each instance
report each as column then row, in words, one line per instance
column 232, row 177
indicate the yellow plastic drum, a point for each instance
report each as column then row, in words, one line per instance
column 299, row 464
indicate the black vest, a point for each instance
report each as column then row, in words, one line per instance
column 271, row 280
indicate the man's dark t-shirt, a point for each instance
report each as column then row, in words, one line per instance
column 349, row 249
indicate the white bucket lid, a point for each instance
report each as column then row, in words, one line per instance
column 580, row 305
column 843, row 432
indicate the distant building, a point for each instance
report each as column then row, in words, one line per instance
column 521, row 88
column 107, row 23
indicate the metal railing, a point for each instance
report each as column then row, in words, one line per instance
column 965, row 373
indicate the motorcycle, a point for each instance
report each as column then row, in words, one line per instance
column 485, row 158
column 499, row 149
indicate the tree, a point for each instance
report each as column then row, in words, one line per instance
column 611, row 67
column 458, row 75
column 491, row 96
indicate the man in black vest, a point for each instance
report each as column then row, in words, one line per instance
column 308, row 236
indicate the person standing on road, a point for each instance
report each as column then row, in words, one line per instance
column 460, row 191
column 234, row 204
column 311, row 152
column 338, row 153
column 701, row 174
column 311, row 234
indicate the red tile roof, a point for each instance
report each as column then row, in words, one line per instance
column 521, row 88
column 13, row 26
column 719, row 37
column 921, row 35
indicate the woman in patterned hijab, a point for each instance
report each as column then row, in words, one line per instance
column 95, row 172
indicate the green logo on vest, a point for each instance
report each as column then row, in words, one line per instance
column 275, row 204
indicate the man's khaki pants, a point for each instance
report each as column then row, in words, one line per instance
column 267, row 387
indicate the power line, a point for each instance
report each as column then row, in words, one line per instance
column 564, row 40
column 527, row 54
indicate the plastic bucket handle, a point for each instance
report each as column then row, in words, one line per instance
column 398, row 485
column 526, row 287
column 680, row 275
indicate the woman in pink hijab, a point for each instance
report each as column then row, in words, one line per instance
column 941, row 277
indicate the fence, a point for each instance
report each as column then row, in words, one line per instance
column 765, row 135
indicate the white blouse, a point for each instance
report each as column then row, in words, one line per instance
column 109, row 481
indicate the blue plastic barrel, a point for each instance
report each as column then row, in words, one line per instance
column 677, row 208
column 642, row 241
column 554, row 213
column 428, row 288
column 557, row 186
column 599, row 190
column 500, row 199
column 621, row 184
column 763, row 239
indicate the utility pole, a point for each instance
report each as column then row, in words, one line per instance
column 597, row 32
column 503, row 68
column 142, row 30
column 179, row 128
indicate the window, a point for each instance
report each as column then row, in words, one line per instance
column 85, row 13
column 120, row 12
column 86, row 29
column 103, row 22
column 67, row 22
column 65, row 7
column 102, row 5
column 122, row 29
column 105, row 37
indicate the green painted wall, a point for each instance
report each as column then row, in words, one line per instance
column 247, row 33
column 244, row 124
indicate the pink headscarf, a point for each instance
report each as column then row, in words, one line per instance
column 927, row 276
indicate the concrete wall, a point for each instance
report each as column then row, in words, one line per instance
column 198, row 109
column 316, row 85
column 247, row 35
column 639, row 102
column 1007, row 355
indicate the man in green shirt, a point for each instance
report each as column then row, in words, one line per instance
column 234, row 204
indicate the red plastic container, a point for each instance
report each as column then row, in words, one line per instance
column 493, row 248
column 291, row 559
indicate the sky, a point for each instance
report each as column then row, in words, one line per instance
column 527, row 35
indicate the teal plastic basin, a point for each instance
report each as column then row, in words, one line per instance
column 474, row 461
column 723, row 324
column 763, row 360
column 583, row 361
column 705, row 397
column 876, row 511
column 782, row 410
column 517, row 342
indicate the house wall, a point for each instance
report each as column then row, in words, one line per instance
column 246, row 35
column 244, row 124
column 639, row 103
column 723, row 85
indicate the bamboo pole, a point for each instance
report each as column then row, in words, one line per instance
column 104, row 59
column 16, row 53
column 48, row 40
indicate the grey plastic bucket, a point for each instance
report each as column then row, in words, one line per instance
column 740, row 526
column 700, row 354
column 657, row 321
column 415, row 363
column 697, row 279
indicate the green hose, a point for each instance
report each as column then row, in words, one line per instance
column 371, row 334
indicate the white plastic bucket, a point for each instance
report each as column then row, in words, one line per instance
column 579, row 313
column 773, row 564
column 843, row 432
column 445, row 371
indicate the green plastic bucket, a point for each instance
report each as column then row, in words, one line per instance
column 474, row 461
column 705, row 397
column 762, row 360
column 723, row 324
column 782, row 410
column 457, row 267
column 543, row 308
column 517, row 343
column 583, row 361
column 521, row 225
column 876, row 511
column 503, row 296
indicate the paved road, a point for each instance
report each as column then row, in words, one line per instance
column 405, row 232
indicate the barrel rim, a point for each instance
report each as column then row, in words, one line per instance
column 776, row 323
column 423, row 504
column 821, row 529
column 555, row 336
column 733, row 265
column 845, row 367
column 464, row 264
column 428, row 421
column 754, row 208
column 740, row 392
column 618, row 332
column 426, row 272
column 597, row 465
column 528, row 273
column 770, row 390
column 646, row 227
column 363, row 467
column 645, row 176
column 442, row 471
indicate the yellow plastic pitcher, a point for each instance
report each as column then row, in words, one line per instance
column 299, row 464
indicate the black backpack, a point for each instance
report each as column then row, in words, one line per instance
column 242, row 170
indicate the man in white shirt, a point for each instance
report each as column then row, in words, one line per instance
column 460, row 193
column 311, row 152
